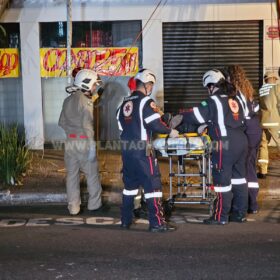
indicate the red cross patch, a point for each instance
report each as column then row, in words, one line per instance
column 128, row 108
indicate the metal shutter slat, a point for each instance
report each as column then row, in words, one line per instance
column 191, row 48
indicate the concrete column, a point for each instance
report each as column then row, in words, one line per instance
column 152, row 55
column 31, row 83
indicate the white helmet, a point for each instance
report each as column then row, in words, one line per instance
column 212, row 77
column 145, row 76
column 85, row 79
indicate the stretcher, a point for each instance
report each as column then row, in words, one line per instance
column 189, row 168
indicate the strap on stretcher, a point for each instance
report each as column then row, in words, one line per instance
column 190, row 134
column 167, row 150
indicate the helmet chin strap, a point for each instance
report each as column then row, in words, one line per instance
column 211, row 90
column 146, row 92
column 88, row 94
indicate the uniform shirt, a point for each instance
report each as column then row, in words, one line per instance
column 138, row 118
column 269, row 103
column 76, row 117
column 221, row 113
column 251, row 112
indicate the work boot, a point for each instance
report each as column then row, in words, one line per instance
column 125, row 226
column 212, row 221
column 253, row 211
column 76, row 213
column 162, row 228
column 140, row 213
column 261, row 175
column 103, row 208
column 237, row 219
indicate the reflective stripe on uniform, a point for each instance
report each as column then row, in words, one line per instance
column 152, row 117
column 198, row 115
column 265, row 89
column 257, row 108
column 130, row 192
column 238, row 181
column 153, row 194
column 271, row 124
column 243, row 103
column 263, row 161
column 119, row 123
column 253, row 185
column 222, row 189
column 141, row 106
column 221, row 120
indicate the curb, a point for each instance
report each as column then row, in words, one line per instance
column 24, row 199
column 31, row 198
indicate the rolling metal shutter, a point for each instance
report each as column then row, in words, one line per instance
column 192, row 48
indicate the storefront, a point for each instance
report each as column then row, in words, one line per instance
column 179, row 40
column 95, row 45
column 11, row 103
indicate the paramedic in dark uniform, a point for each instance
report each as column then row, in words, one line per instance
column 139, row 201
column 138, row 119
column 245, row 94
column 223, row 114
column 76, row 119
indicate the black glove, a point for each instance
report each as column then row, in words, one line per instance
column 166, row 118
column 186, row 128
column 100, row 91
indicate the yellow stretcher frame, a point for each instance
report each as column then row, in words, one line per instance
column 203, row 156
column 190, row 134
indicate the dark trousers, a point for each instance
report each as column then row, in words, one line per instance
column 141, row 170
column 251, row 173
column 229, row 174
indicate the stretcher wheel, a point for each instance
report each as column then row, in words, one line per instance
column 168, row 207
column 211, row 208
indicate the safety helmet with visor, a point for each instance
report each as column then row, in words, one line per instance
column 85, row 79
column 212, row 77
column 146, row 76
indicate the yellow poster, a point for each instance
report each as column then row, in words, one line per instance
column 105, row 61
column 9, row 63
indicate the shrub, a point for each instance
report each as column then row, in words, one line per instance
column 15, row 157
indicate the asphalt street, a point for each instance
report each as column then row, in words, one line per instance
column 44, row 242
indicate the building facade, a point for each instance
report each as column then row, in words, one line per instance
column 179, row 40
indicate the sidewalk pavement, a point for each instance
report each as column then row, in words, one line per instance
column 46, row 183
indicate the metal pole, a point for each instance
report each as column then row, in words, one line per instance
column 69, row 39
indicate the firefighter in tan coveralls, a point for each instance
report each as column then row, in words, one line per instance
column 76, row 119
column 270, row 119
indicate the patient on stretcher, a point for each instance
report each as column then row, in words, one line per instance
column 192, row 138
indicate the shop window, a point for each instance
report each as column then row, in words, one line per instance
column 53, row 34
column 11, row 96
column 9, row 35
column 92, row 35
column 86, row 35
